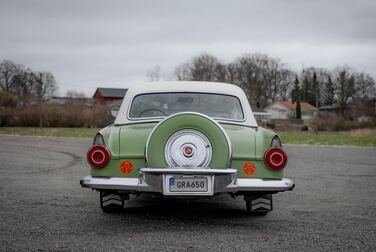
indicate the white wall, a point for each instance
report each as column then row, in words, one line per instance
column 278, row 113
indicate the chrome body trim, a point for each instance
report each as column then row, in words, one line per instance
column 270, row 185
column 152, row 180
column 184, row 171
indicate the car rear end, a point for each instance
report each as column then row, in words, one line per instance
column 188, row 154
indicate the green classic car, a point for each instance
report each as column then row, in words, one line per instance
column 186, row 139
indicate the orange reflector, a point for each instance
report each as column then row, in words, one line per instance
column 249, row 168
column 126, row 167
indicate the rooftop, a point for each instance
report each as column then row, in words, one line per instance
column 112, row 92
column 292, row 106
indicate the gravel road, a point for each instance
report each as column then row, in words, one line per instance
column 43, row 207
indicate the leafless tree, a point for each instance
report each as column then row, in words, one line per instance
column 264, row 79
column 363, row 99
column 154, row 74
column 75, row 97
column 344, row 82
column 250, row 78
column 75, row 94
column 365, row 86
column 22, row 84
column 183, row 72
column 7, row 71
column 328, row 92
column 232, row 73
column 286, row 79
column 204, row 67
column 45, row 87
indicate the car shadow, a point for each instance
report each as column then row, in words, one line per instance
column 145, row 214
column 200, row 210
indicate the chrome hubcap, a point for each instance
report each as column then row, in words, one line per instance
column 188, row 148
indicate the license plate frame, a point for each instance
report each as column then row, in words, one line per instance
column 186, row 178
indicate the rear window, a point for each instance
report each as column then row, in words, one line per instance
column 165, row 104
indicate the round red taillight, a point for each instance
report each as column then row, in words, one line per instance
column 98, row 156
column 275, row 159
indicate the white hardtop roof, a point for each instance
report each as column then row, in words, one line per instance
column 184, row 86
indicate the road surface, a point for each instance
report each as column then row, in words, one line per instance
column 43, row 207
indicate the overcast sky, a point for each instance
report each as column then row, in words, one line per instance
column 87, row 44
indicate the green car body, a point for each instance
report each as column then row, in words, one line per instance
column 186, row 139
column 127, row 142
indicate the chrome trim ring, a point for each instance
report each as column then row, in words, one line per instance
column 177, row 145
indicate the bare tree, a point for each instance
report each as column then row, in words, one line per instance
column 328, row 96
column 363, row 99
column 344, row 83
column 22, row 84
column 45, row 87
column 183, row 72
column 250, row 75
column 7, row 71
column 278, row 80
column 154, row 74
column 75, row 97
column 365, row 86
column 75, row 94
column 204, row 67
column 232, row 73
column 264, row 79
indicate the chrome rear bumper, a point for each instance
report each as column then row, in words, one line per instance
column 151, row 180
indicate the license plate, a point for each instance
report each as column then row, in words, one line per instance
column 186, row 185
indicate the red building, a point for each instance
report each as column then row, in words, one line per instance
column 109, row 95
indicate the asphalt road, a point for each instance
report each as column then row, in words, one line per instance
column 43, row 207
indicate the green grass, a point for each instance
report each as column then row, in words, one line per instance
column 57, row 132
column 364, row 137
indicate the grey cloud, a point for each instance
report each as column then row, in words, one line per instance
column 91, row 43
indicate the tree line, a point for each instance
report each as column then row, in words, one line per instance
column 267, row 79
column 28, row 86
column 25, row 101
column 21, row 87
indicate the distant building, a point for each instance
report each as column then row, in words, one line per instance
column 109, row 95
column 261, row 116
column 287, row 110
column 335, row 109
column 329, row 110
column 70, row 100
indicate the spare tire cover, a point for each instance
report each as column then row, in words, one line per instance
column 220, row 143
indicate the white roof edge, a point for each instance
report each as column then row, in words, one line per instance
column 185, row 86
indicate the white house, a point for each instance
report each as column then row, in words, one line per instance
column 261, row 116
column 287, row 110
